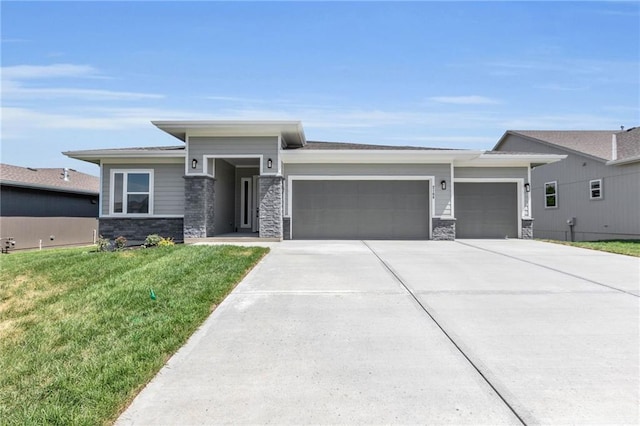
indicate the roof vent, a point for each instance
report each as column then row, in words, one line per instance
column 32, row 169
column 622, row 128
column 65, row 174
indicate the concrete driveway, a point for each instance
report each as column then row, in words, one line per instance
column 472, row 331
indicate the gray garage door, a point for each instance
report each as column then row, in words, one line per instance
column 486, row 210
column 353, row 209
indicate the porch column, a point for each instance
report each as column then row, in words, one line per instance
column 271, row 205
column 199, row 196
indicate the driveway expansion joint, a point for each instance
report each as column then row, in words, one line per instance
column 549, row 268
column 399, row 279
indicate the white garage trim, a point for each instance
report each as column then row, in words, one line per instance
column 291, row 178
column 519, row 186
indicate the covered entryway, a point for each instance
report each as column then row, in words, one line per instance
column 360, row 209
column 486, row 210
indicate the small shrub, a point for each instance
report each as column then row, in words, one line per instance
column 103, row 244
column 121, row 242
column 152, row 240
column 166, row 242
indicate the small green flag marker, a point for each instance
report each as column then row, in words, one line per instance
column 152, row 295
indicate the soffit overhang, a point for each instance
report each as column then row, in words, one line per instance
column 291, row 132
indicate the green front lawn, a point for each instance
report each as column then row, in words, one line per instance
column 628, row 247
column 80, row 334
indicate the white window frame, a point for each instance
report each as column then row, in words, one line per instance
column 555, row 194
column 599, row 188
column 125, row 192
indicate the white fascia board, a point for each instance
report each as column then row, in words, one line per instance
column 94, row 156
column 629, row 160
column 292, row 131
column 375, row 156
column 510, row 160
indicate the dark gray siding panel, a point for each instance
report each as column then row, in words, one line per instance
column 486, row 210
column 352, row 209
column 28, row 202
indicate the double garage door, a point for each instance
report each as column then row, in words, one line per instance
column 398, row 209
column 360, row 209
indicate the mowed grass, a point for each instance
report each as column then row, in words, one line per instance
column 628, row 247
column 80, row 334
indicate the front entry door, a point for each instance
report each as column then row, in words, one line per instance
column 256, row 205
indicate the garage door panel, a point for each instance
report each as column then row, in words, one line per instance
column 486, row 210
column 354, row 209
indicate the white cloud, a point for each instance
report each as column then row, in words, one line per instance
column 465, row 100
column 13, row 87
column 27, row 72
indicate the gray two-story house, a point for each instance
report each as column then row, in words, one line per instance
column 264, row 178
column 594, row 194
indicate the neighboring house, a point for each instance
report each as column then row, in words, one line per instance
column 594, row 194
column 47, row 207
column 263, row 177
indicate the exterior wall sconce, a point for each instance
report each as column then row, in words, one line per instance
column 269, row 163
column 194, row 163
column 443, row 185
column 527, row 187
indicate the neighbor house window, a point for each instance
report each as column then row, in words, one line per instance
column 551, row 195
column 595, row 189
column 131, row 192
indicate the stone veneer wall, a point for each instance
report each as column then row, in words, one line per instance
column 443, row 229
column 199, row 196
column 270, row 196
column 286, row 231
column 135, row 230
column 527, row 229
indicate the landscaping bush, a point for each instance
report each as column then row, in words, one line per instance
column 152, row 240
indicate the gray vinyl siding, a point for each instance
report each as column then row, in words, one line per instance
column 491, row 172
column 198, row 147
column 168, row 196
column 224, row 201
column 440, row 171
column 614, row 216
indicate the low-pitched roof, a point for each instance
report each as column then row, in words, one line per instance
column 321, row 145
column 49, row 178
column 595, row 143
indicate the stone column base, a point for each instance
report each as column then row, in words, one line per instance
column 444, row 229
column 527, row 229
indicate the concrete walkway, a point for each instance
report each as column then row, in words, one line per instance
column 413, row 332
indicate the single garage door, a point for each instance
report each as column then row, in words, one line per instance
column 354, row 209
column 486, row 210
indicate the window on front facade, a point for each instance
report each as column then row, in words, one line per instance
column 595, row 189
column 132, row 191
column 551, row 195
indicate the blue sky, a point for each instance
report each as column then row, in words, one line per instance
column 84, row 75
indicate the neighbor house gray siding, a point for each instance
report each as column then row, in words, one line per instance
column 615, row 216
column 198, row 147
column 439, row 171
column 168, row 197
